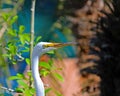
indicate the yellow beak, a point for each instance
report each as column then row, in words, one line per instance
column 57, row 45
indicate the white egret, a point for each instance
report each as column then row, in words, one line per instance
column 38, row 50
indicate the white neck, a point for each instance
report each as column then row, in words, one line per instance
column 37, row 80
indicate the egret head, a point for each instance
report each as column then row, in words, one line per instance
column 44, row 47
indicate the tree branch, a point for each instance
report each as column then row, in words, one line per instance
column 32, row 32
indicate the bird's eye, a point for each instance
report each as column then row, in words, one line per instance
column 43, row 46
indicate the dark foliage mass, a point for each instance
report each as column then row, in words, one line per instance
column 108, row 39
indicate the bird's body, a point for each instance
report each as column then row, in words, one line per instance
column 38, row 50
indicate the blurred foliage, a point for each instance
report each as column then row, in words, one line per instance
column 7, row 18
column 61, row 30
column 67, row 7
column 62, row 25
column 108, row 39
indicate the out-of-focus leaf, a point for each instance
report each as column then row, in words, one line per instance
column 22, row 83
column 27, row 61
column 67, row 30
column 21, row 29
column 27, row 93
column 13, row 78
column 48, row 90
column 59, row 77
column 32, row 91
column 27, row 37
column 50, row 62
column 57, row 25
column 19, row 90
column 6, row 16
column 17, row 77
column 13, row 19
column 38, row 38
column 58, row 93
column 24, row 38
column 29, row 73
column 44, row 72
column 12, row 32
column 45, row 65
column 13, row 49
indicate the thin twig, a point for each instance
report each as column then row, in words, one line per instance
column 32, row 33
column 10, row 90
column 3, row 29
column 7, row 89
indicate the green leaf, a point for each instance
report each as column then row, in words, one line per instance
column 22, row 83
column 27, row 37
column 48, row 90
column 17, row 77
column 13, row 19
column 6, row 55
column 44, row 72
column 67, row 30
column 13, row 78
column 22, row 39
column 20, row 75
column 13, row 49
column 26, row 49
column 59, row 77
column 27, row 61
column 32, row 91
column 29, row 73
column 14, row 62
column 57, row 25
column 58, row 93
column 45, row 65
column 12, row 32
column 21, row 29
column 6, row 16
column 50, row 62
column 38, row 38
column 28, row 92
column 19, row 90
